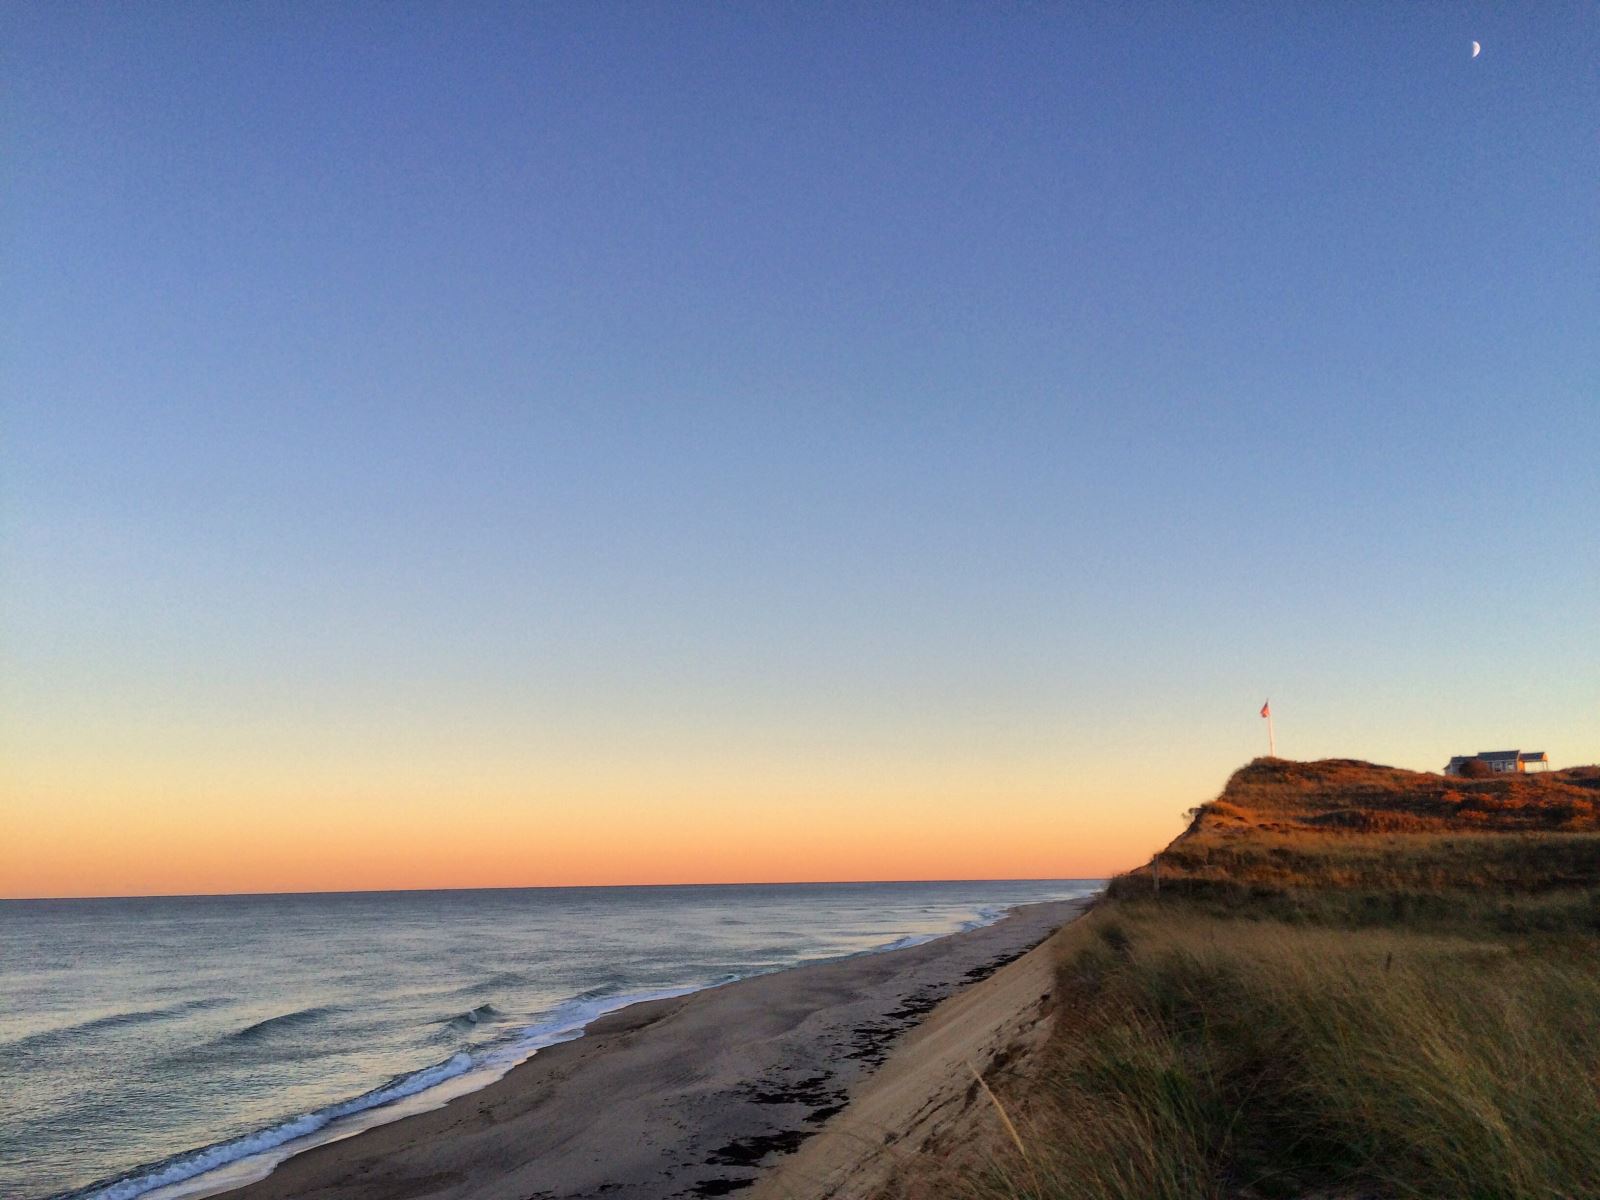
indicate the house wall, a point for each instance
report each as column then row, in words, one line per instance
column 1500, row 766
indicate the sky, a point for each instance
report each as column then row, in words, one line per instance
column 489, row 445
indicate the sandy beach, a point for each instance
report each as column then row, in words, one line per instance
column 707, row 1094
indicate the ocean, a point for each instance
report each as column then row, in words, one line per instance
column 166, row 1048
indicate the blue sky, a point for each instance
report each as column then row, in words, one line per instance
column 863, row 386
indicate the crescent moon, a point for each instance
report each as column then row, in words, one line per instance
column 1476, row 49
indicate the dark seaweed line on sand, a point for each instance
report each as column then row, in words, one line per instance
column 869, row 1044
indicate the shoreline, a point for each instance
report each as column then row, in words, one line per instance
column 216, row 1167
column 704, row 1087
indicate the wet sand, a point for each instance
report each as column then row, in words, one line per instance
column 699, row 1095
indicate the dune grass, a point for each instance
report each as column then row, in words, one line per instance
column 1197, row 1056
column 1357, row 1018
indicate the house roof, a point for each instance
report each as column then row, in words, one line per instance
column 1498, row 755
column 1533, row 756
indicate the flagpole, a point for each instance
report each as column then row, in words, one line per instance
column 1272, row 741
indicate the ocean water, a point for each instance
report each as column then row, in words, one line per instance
column 162, row 1048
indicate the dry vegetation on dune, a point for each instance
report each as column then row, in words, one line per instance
column 1328, row 1009
column 1348, row 841
column 1300, row 794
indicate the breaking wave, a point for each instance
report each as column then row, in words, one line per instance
column 49, row 1038
column 462, row 1022
column 185, row 1166
column 288, row 1020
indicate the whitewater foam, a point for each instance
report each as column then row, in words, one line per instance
column 159, row 1181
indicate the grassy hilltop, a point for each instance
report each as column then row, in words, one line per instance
column 1342, row 981
column 1357, row 842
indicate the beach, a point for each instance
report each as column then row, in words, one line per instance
column 701, row 1095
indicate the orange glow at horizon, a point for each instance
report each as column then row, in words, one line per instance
column 158, row 839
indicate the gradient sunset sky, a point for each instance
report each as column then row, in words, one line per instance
column 460, row 445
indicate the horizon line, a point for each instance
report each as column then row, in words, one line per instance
column 548, row 887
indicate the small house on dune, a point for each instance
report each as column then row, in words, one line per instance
column 1501, row 761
